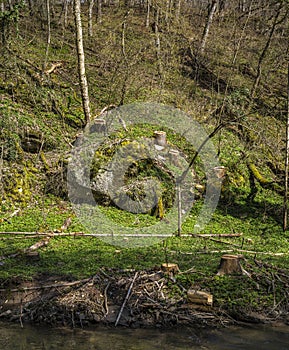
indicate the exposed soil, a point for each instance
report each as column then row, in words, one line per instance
column 127, row 298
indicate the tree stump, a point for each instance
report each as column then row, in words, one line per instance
column 99, row 126
column 170, row 268
column 160, row 138
column 220, row 171
column 174, row 155
column 230, row 264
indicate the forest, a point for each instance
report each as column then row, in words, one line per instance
column 66, row 66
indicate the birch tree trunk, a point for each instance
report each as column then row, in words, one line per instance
column 285, row 207
column 158, row 41
column 48, row 35
column 90, row 10
column 81, row 61
column 99, row 11
column 148, row 13
column 207, row 27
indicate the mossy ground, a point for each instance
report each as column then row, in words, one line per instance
column 79, row 257
column 51, row 107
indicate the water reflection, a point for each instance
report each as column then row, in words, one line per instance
column 12, row 337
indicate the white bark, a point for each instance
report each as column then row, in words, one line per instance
column 285, row 213
column 48, row 35
column 81, row 61
column 207, row 27
column 148, row 13
column 90, row 25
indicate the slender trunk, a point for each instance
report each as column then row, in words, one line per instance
column 242, row 35
column 264, row 52
column 10, row 5
column 90, row 26
column 148, row 13
column 168, row 6
column 123, row 35
column 178, row 9
column 31, row 7
column 81, row 61
column 64, row 11
column 207, row 27
column 48, row 35
column 99, row 11
column 285, row 207
column 2, row 23
column 158, row 41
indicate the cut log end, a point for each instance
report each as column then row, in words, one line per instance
column 170, row 268
column 200, row 297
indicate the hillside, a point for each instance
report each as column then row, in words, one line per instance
column 233, row 74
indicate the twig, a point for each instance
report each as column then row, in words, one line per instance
column 126, row 299
column 228, row 251
column 21, row 315
column 223, row 242
column 10, row 216
column 105, row 299
column 37, row 245
column 242, row 251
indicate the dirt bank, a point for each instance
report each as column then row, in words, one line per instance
column 127, row 298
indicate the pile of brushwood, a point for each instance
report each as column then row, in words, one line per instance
column 126, row 298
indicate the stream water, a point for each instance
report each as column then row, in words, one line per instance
column 13, row 337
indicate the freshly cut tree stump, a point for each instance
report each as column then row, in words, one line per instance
column 230, row 264
column 170, row 268
column 160, row 138
column 99, row 126
column 220, row 171
column 174, row 155
column 200, row 297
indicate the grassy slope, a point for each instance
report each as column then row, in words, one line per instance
column 53, row 108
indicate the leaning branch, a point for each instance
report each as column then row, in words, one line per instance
column 126, row 299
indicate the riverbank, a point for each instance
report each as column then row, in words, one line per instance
column 149, row 298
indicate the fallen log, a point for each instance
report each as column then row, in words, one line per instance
column 37, row 245
column 29, row 252
column 55, row 233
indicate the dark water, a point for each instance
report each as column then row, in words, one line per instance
column 12, row 337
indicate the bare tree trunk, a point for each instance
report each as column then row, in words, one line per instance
column 158, row 41
column 64, row 13
column 148, row 13
column 31, row 7
column 167, row 12
column 208, row 25
column 264, row 52
column 99, row 11
column 81, row 61
column 178, row 9
column 48, row 34
column 285, row 207
column 90, row 26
